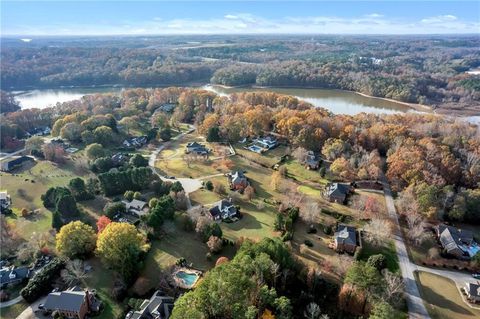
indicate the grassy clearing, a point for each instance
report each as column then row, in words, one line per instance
column 387, row 249
column 102, row 280
column 300, row 173
column 268, row 158
column 442, row 298
column 13, row 311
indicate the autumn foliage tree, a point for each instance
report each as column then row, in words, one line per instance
column 102, row 222
column 75, row 240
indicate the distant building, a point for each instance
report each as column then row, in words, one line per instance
column 196, row 148
column 345, row 239
column 312, row 161
column 13, row 162
column 119, row 158
column 237, row 180
column 223, row 209
column 136, row 207
column 166, row 107
column 10, row 276
column 5, row 201
column 136, row 142
column 457, row 242
column 473, row 291
column 267, row 142
column 158, row 307
column 39, row 131
column 337, row 193
column 72, row 303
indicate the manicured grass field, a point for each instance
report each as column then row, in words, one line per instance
column 269, row 158
column 442, row 298
column 300, row 173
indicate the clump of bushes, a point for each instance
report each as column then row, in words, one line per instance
column 41, row 283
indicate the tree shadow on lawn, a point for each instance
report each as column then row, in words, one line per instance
column 248, row 221
column 440, row 301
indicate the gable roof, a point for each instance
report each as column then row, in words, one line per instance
column 136, row 204
column 346, row 235
column 12, row 274
column 473, row 289
column 337, row 189
column 221, row 207
column 237, row 177
column 69, row 300
column 157, row 307
column 452, row 238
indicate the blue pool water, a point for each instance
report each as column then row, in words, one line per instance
column 473, row 250
column 255, row 148
column 188, row 278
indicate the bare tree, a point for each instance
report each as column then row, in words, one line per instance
column 300, row 154
column 74, row 272
column 310, row 212
column 378, row 231
column 394, row 287
column 416, row 228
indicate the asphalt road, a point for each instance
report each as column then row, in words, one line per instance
column 416, row 307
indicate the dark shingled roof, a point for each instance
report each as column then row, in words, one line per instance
column 69, row 300
column 346, row 235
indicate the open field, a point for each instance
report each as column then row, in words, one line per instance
column 269, row 158
column 442, row 298
column 300, row 173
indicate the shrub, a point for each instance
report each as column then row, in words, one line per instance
column 287, row 236
column 137, row 195
column 209, row 185
column 378, row 261
column 41, row 283
column 308, row 243
column 128, row 195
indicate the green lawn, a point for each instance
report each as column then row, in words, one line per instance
column 442, row 298
column 300, row 173
column 269, row 158
column 13, row 311
column 102, row 280
column 387, row 249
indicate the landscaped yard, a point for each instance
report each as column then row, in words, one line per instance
column 13, row 311
column 442, row 298
column 387, row 249
column 300, row 173
column 269, row 158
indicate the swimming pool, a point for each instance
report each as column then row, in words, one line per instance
column 255, row 148
column 186, row 279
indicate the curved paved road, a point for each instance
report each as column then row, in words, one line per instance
column 11, row 302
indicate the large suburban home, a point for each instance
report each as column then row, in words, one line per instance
column 457, row 242
column 267, row 142
column 223, row 209
column 72, row 303
column 472, row 291
column 135, row 141
column 13, row 162
column 312, row 161
column 237, row 180
column 158, row 307
column 5, row 201
column 10, row 276
column 136, row 207
column 345, row 239
column 196, row 148
column 337, row 193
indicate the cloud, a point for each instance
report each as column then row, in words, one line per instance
column 246, row 23
column 439, row 19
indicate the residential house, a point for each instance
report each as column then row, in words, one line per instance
column 337, row 193
column 136, row 142
column 5, row 201
column 39, row 131
column 13, row 162
column 166, row 107
column 237, row 180
column 196, row 148
column 158, row 307
column 267, row 142
column 345, row 239
column 473, row 291
column 312, row 161
column 10, row 276
column 457, row 242
column 136, row 207
column 119, row 158
column 72, row 303
column 223, row 209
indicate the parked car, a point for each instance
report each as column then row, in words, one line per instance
column 476, row 276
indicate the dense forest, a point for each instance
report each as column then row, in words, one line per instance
column 427, row 70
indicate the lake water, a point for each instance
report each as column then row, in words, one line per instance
column 339, row 102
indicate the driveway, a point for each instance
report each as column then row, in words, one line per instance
column 29, row 313
column 416, row 307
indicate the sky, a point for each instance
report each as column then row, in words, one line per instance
column 238, row 17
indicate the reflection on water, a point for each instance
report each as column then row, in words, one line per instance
column 45, row 98
column 336, row 101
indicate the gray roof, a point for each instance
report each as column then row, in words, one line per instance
column 473, row 289
column 9, row 275
column 337, row 189
column 157, row 307
column 237, row 177
column 453, row 238
column 223, row 206
column 69, row 300
column 346, row 235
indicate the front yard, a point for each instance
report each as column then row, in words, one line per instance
column 442, row 298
